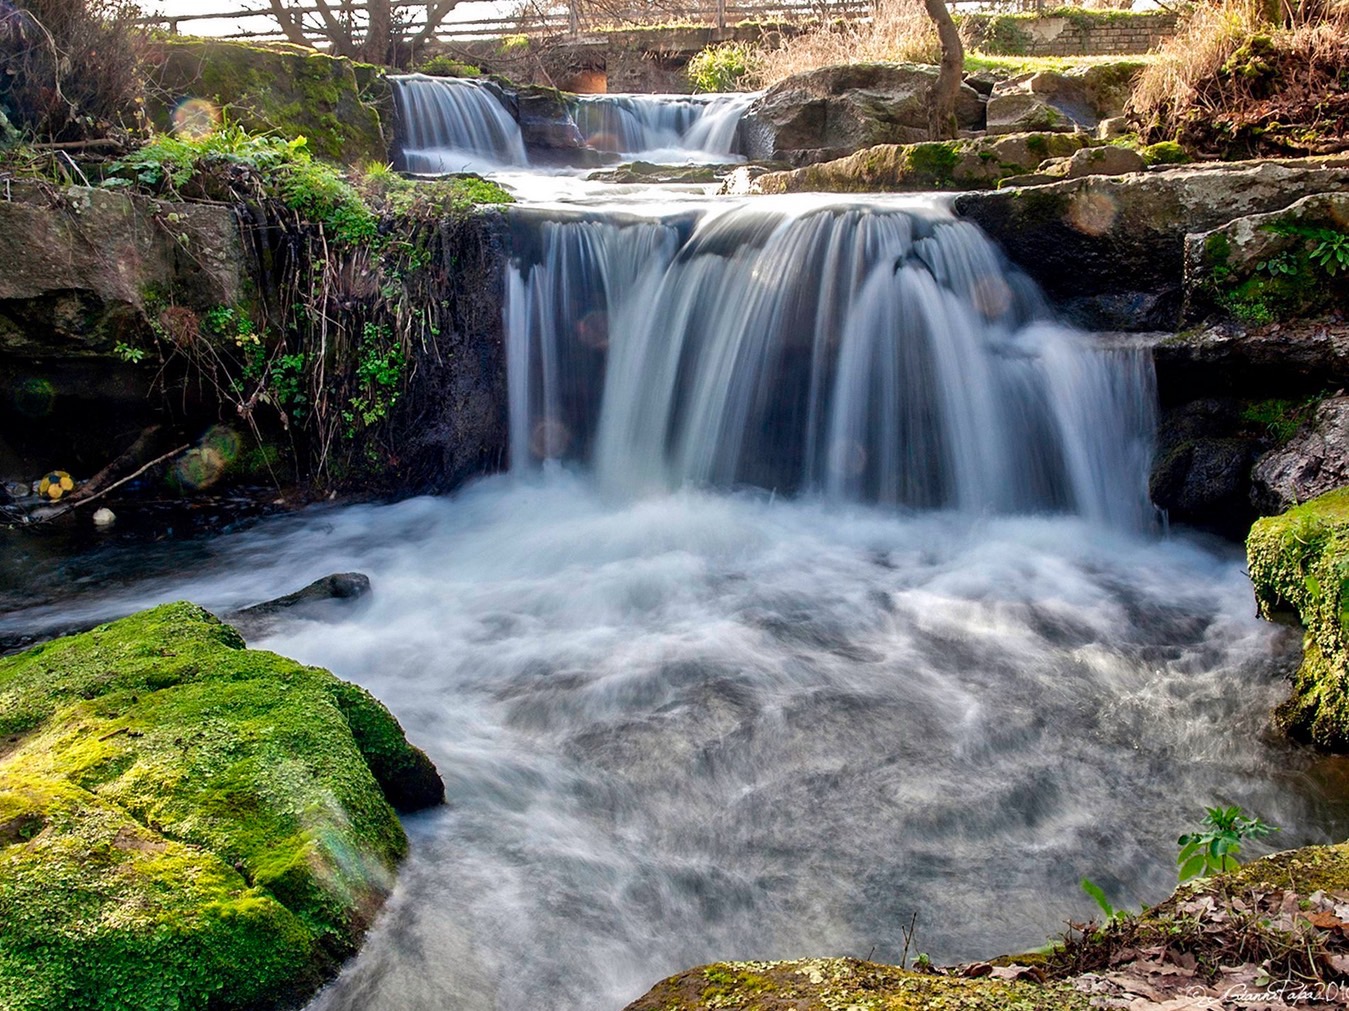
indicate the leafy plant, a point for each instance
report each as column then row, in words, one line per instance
column 1331, row 251
column 448, row 66
column 129, row 354
column 1215, row 849
column 720, row 68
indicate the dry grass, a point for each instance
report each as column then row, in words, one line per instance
column 900, row 31
column 1231, row 83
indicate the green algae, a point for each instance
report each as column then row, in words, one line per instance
column 1299, row 561
column 186, row 823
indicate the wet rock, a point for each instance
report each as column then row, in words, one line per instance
column 646, row 172
column 549, row 133
column 1314, row 462
column 1230, row 360
column 1110, row 235
column 1202, row 470
column 322, row 599
column 833, row 111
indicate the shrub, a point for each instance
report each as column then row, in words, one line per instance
column 71, row 68
column 720, row 68
column 448, row 66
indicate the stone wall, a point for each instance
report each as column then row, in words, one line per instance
column 1077, row 33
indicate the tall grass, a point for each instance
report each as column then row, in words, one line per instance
column 899, row 31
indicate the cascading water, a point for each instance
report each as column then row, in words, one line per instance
column 683, row 720
column 453, row 125
column 864, row 353
column 663, row 127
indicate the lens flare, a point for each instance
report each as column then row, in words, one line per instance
column 195, row 118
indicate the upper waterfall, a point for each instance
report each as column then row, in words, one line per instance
column 663, row 127
column 865, row 352
column 454, row 125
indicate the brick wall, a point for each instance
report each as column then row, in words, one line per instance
column 1078, row 34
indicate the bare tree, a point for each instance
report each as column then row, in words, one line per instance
column 375, row 32
column 941, row 121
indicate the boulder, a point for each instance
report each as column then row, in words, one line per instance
column 183, row 819
column 337, row 105
column 1077, row 99
column 833, row 111
column 1201, row 472
column 1274, row 266
column 1289, row 361
column 325, row 598
column 932, row 165
column 1107, row 160
column 1313, row 462
column 549, row 133
column 1126, row 235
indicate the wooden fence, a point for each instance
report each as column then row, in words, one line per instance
column 255, row 21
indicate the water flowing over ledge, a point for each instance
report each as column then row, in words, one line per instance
column 865, row 353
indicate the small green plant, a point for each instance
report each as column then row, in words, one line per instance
column 379, row 370
column 1215, row 849
column 512, row 44
column 1331, row 251
column 720, row 68
column 1097, row 893
column 127, row 353
column 1282, row 263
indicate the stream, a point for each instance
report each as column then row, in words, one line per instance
column 823, row 591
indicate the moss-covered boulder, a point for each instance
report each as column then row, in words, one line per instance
column 930, row 165
column 1263, row 268
column 337, row 105
column 831, row 984
column 1300, row 561
column 186, row 823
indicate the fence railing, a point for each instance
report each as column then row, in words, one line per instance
column 262, row 25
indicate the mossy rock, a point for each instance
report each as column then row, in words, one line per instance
column 337, row 105
column 1300, row 561
column 186, row 823
column 928, row 165
column 833, row 984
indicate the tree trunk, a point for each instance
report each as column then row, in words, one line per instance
column 290, row 24
column 941, row 117
column 378, row 32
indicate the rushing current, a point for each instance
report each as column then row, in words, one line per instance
column 663, row 127
column 823, row 591
column 447, row 124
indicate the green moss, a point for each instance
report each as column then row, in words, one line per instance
column 1167, row 152
column 1300, row 560
column 1279, row 418
column 847, row 984
column 933, row 163
column 293, row 92
column 210, row 827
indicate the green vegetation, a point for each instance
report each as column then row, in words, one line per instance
column 1280, row 418
column 976, row 61
column 1166, row 152
column 185, row 823
column 1300, row 561
column 1301, row 273
column 720, row 68
column 448, row 66
column 1215, row 848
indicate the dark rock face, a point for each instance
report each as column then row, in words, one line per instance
column 1202, row 471
column 834, row 111
column 1125, row 235
column 320, row 599
column 1314, row 462
column 1292, row 361
column 549, row 133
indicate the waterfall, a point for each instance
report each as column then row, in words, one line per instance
column 453, row 125
column 662, row 127
column 880, row 353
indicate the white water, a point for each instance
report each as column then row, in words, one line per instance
column 663, row 128
column 882, row 353
column 683, row 715
column 453, row 125
column 698, row 726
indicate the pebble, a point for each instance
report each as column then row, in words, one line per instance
column 104, row 518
